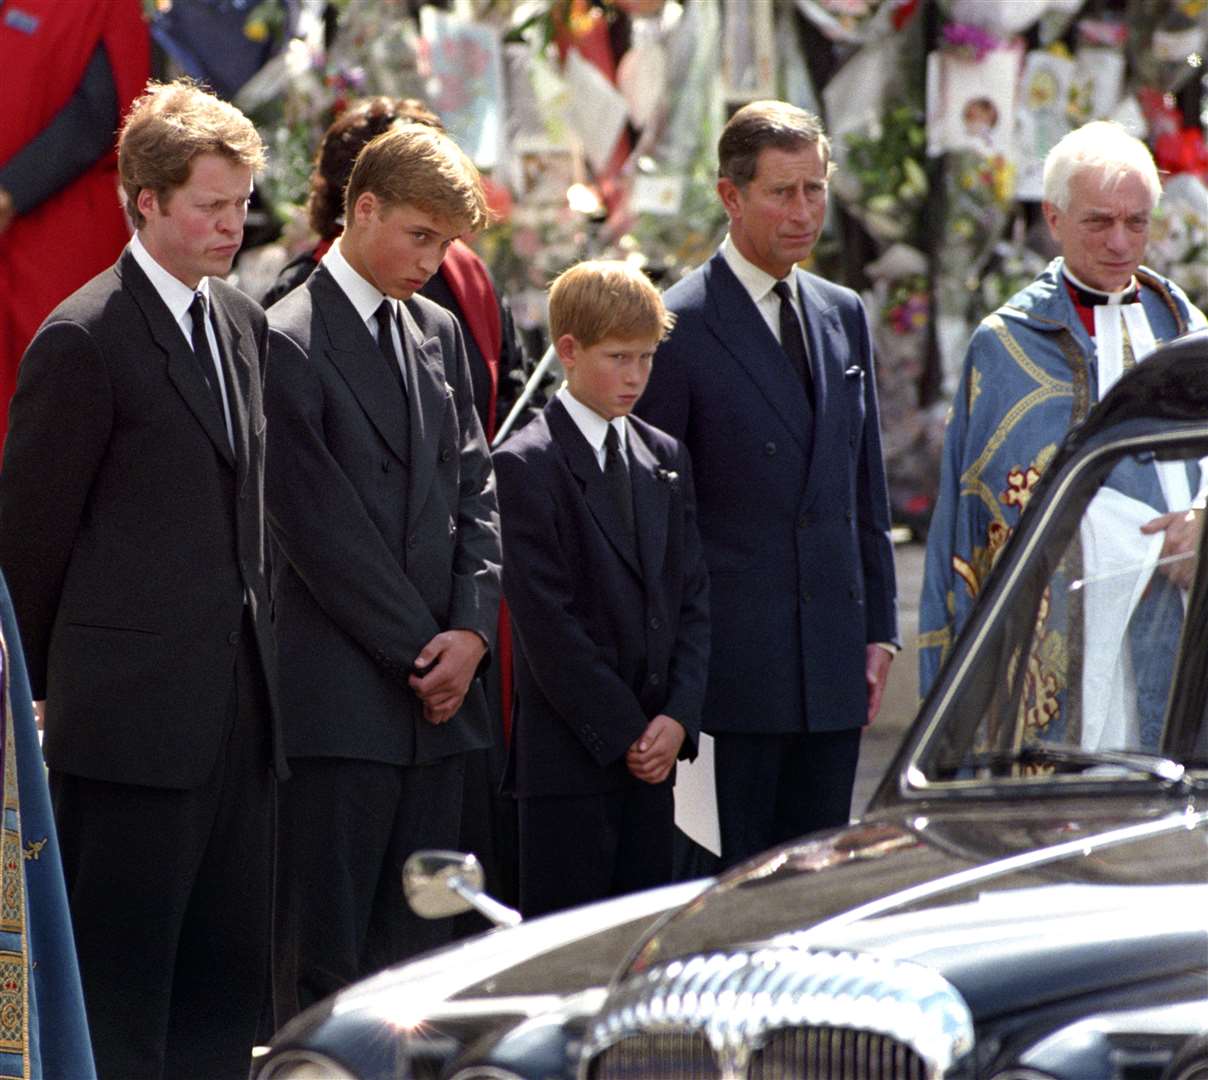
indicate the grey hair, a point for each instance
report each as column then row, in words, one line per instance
column 1106, row 147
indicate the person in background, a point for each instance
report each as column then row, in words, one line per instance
column 386, row 580
column 43, row 998
column 70, row 73
column 1034, row 368
column 768, row 378
column 132, row 538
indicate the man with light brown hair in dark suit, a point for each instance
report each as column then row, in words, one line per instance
column 132, row 537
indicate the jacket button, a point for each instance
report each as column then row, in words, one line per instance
column 803, row 522
column 655, row 623
column 805, row 596
column 446, row 454
column 385, row 465
column 412, row 541
column 654, row 679
column 848, row 516
column 233, row 637
column 769, row 448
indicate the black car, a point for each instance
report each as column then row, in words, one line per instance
column 1026, row 897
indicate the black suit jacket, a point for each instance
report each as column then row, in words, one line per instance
column 384, row 511
column 131, row 533
column 606, row 637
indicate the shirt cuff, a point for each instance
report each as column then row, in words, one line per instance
column 889, row 647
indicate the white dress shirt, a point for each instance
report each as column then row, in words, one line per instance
column 593, row 426
column 366, row 298
column 179, row 298
column 759, row 284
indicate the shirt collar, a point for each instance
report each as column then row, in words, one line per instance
column 1095, row 297
column 174, row 292
column 365, row 297
column 592, row 425
column 757, row 282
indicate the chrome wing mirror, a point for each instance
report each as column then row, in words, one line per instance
column 438, row 884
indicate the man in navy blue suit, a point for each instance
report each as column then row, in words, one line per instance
column 768, row 379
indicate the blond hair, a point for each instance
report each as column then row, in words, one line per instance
column 605, row 298
column 168, row 125
column 417, row 165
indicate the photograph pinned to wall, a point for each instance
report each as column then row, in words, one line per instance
column 547, row 172
column 1041, row 119
column 971, row 103
column 748, row 57
column 463, row 65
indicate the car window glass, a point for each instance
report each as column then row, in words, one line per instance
column 1082, row 659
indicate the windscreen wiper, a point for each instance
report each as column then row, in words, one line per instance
column 1153, row 765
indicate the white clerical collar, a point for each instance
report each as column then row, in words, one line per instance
column 175, row 293
column 1127, row 295
column 365, row 296
column 593, row 426
column 757, row 282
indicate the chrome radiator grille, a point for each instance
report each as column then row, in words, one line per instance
column 802, row 1053
column 835, row 1054
column 780, row 1013
column 669, row 1055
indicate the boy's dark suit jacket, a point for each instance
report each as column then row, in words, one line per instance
column 794, row 512
column 607, row 638
column 130, row 532
column 385, row 513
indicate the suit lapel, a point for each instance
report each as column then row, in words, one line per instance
column 237, row 367
column 828, row 348
column 181, row 363
column 427, row 397
column 651, row 497
column 355, row 354
column 582, row 461
column 735, row 321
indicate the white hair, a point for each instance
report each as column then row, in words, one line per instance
column 1104, row 146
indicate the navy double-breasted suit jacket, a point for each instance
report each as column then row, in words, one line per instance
column 793, row 507
column 383, row 506
column 607, row 634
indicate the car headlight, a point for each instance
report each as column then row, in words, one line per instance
column 1022, row 1074
column 303, row 1065
column 485, row 1072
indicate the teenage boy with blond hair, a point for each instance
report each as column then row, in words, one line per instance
column 382, row 501
column 608, row 592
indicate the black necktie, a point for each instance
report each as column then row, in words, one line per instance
column 385, row 320
column 201, row 350
column 616, row 473
column 792, row 339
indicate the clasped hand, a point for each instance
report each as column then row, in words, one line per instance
column 652, row 757
column 444, row 669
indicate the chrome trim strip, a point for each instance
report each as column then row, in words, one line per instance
column 736, row 1000
column 962, row 879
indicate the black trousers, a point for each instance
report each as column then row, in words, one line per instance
column 170, row 895
column 579, row 848
column 774, row 788
column 346, row 828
